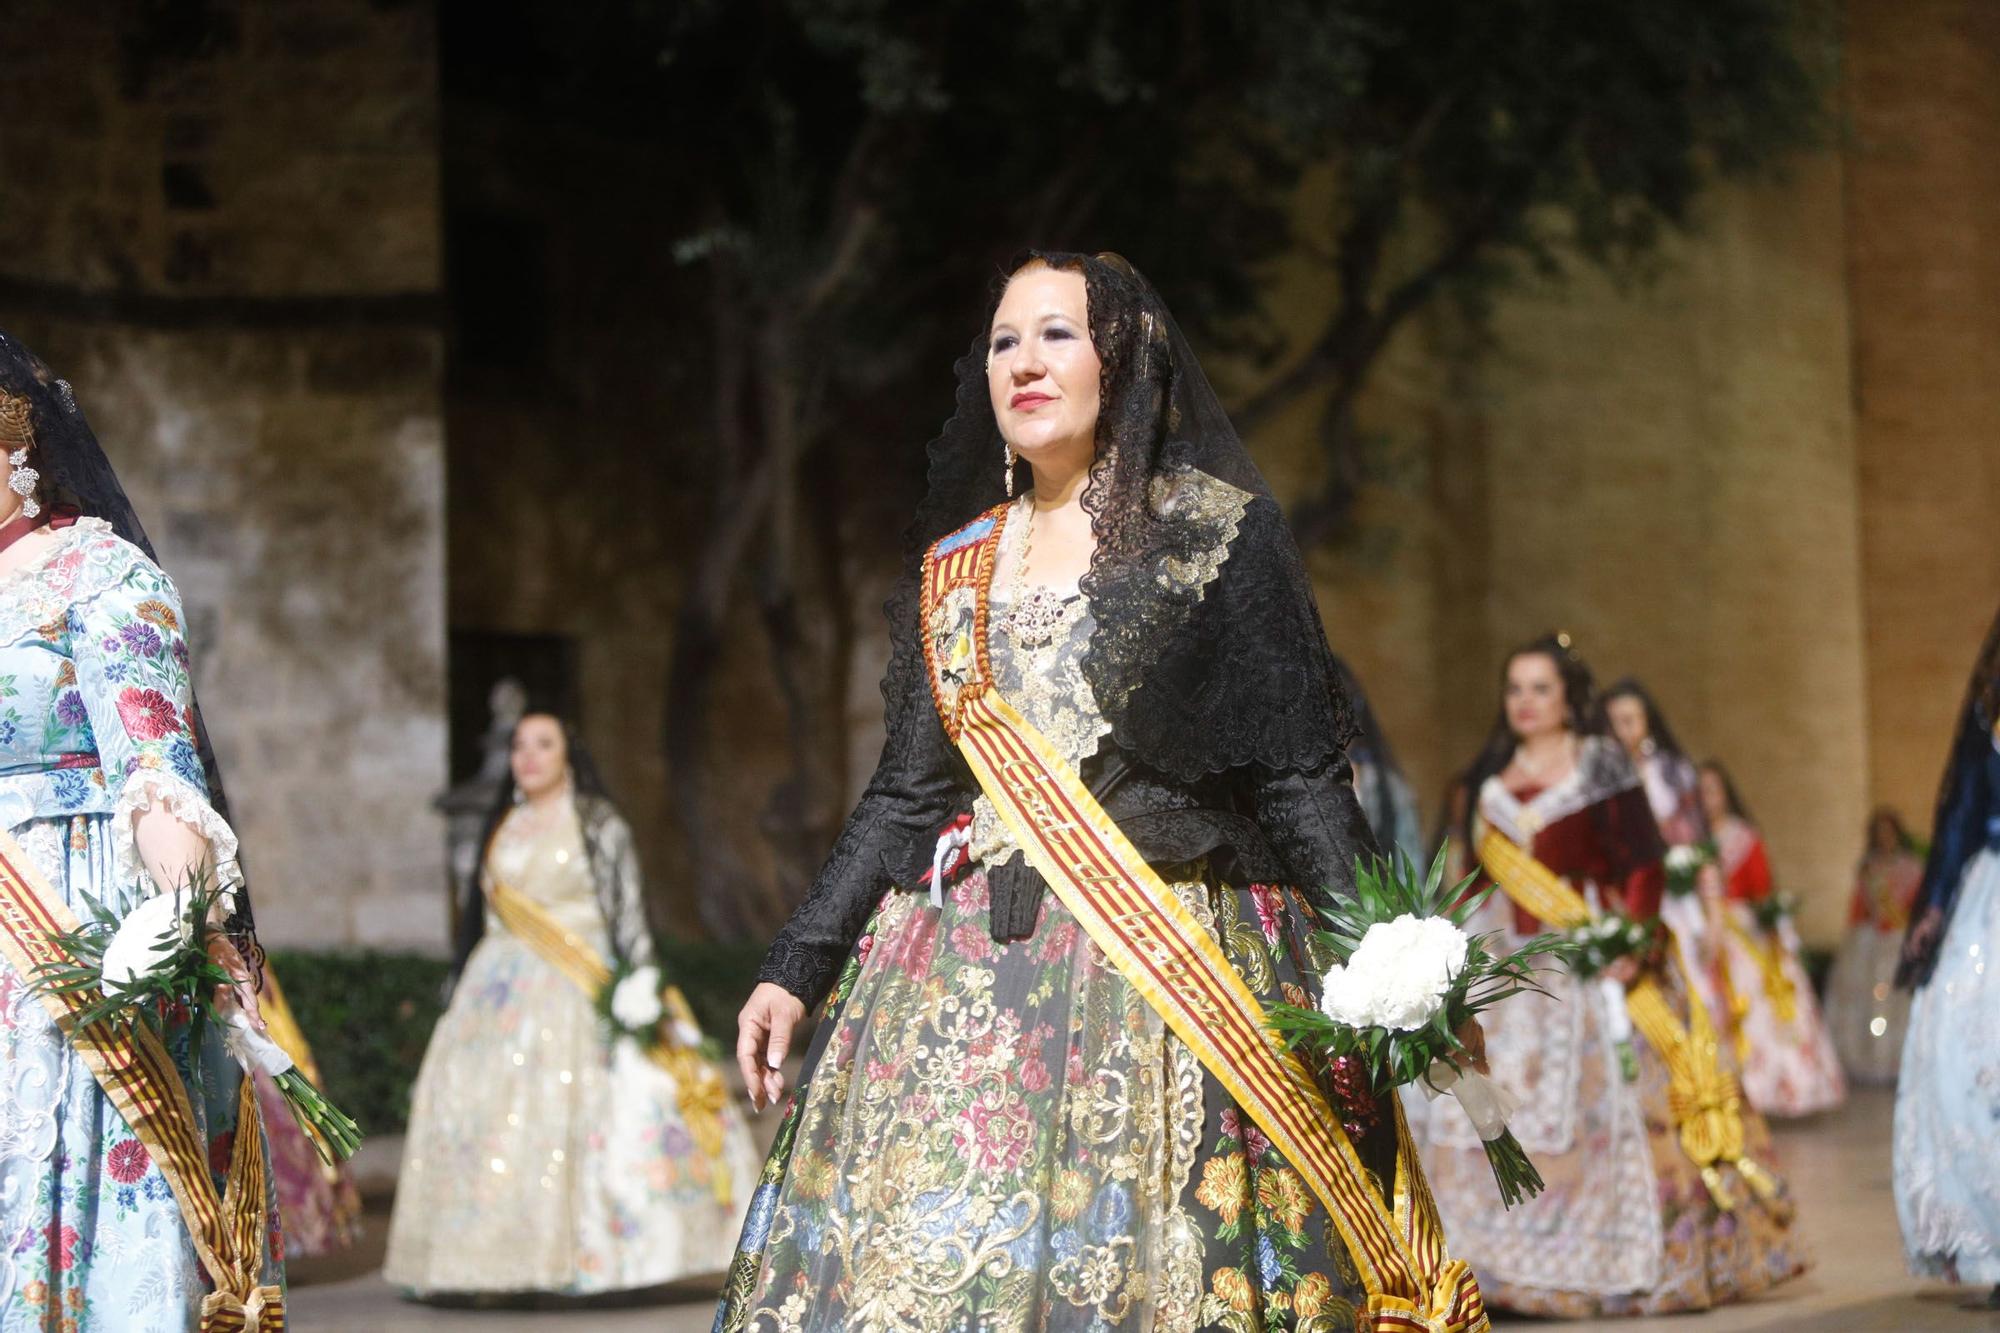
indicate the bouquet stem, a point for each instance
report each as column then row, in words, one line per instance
column 1512, row 1170
column 333, row 1133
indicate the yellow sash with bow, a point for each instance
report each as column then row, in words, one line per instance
column 1159, row 947
column 1702, row 1094
column 140, row 1080
column 698, row 1088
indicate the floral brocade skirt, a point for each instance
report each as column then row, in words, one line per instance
column 1625, row 1225
column 91, row 1236
column 1005, row 1137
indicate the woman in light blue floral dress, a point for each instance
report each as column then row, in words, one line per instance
column 103, row 786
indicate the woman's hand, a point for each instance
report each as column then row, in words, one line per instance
column 1624, row 971
column 763, row 1039
column 1472, row 1037
column 1922, row 940
column 241, row 993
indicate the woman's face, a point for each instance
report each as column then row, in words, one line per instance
column 1534, row 697
column 1042, row 369
column 1714, row 796
column 1628, row 722
column 1882, row 834
column 539, row 756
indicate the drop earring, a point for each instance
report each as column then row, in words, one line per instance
column 22, row 483
column 1011, row 459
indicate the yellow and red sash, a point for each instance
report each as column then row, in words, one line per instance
column 1166, row 954
column 140, row 1080
column 698, row 1087
column 1703, row 1096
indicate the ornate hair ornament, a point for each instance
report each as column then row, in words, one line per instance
column 17, row 423
column 17, row 428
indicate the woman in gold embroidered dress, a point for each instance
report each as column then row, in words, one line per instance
column 995, row 1129
column 543, row 1157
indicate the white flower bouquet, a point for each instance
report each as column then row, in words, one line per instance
column 1774, row 909
column 155, row 966
column 633, row 1006
column 1408, row 978
column 1684, row 865
column 1604, row 939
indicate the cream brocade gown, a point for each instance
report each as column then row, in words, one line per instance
column 541, row 1157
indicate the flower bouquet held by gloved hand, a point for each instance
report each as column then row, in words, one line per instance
column 1408, row 980
column 167, row 961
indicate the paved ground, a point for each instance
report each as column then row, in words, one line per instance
column 1838, row 1164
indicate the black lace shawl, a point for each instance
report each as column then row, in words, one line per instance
column 1193, row 681
column 1199, row 684
column 76, row 473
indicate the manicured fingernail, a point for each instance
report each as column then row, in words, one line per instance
column 774, row 1062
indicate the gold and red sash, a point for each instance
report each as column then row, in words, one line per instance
column 698, row 1087
column 1703, row 1096
column 140, row 1080
column 1171, row 960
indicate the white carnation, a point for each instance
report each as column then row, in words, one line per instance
column 1683, row 859
column 147, row 939
column 635, row 1001
column 1400, row 976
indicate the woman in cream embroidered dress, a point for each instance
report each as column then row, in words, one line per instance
column 541, row 1156
column 1787, row 1056
column 994, row 1129
column 1865, row 1011
column 1626, row 1224
column 103, row 787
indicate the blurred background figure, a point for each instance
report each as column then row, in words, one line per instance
column 1630, row 1222
column 1787, row 1058
column 544, row 1156
column 1947, row 1173
column 317, row 1200
column 1387, row 799
column 1692, row 903
column 1866, row 1012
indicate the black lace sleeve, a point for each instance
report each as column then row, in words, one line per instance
column 1313, row 822
column 887, row 840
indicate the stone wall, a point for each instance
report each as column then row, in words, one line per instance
column 1924, row 272
column 220, row 224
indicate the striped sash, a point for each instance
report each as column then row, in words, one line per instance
column 698, row 1088
column 139, row 1078
column 1159, row 947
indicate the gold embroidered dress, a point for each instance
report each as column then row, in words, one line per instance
column 1003, row 1135
column 541, row 1156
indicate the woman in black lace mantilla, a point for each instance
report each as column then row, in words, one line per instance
column 993, row 1128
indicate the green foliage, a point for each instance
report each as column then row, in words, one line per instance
column 369, row 1015
column 1774, row 909
column 182, row 980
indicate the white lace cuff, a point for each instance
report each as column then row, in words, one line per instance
column 184, row 802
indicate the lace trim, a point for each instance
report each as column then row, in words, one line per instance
column 1601, row 772
column 1040, row 672
column 85, row 559
column 181, row 799
column 1208, row 505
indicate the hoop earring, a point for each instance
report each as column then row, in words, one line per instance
column 22, row 483
column 1012, row 458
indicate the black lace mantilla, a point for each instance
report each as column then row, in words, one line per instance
column 1199, row 679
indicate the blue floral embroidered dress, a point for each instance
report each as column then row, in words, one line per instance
column 95, row 712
